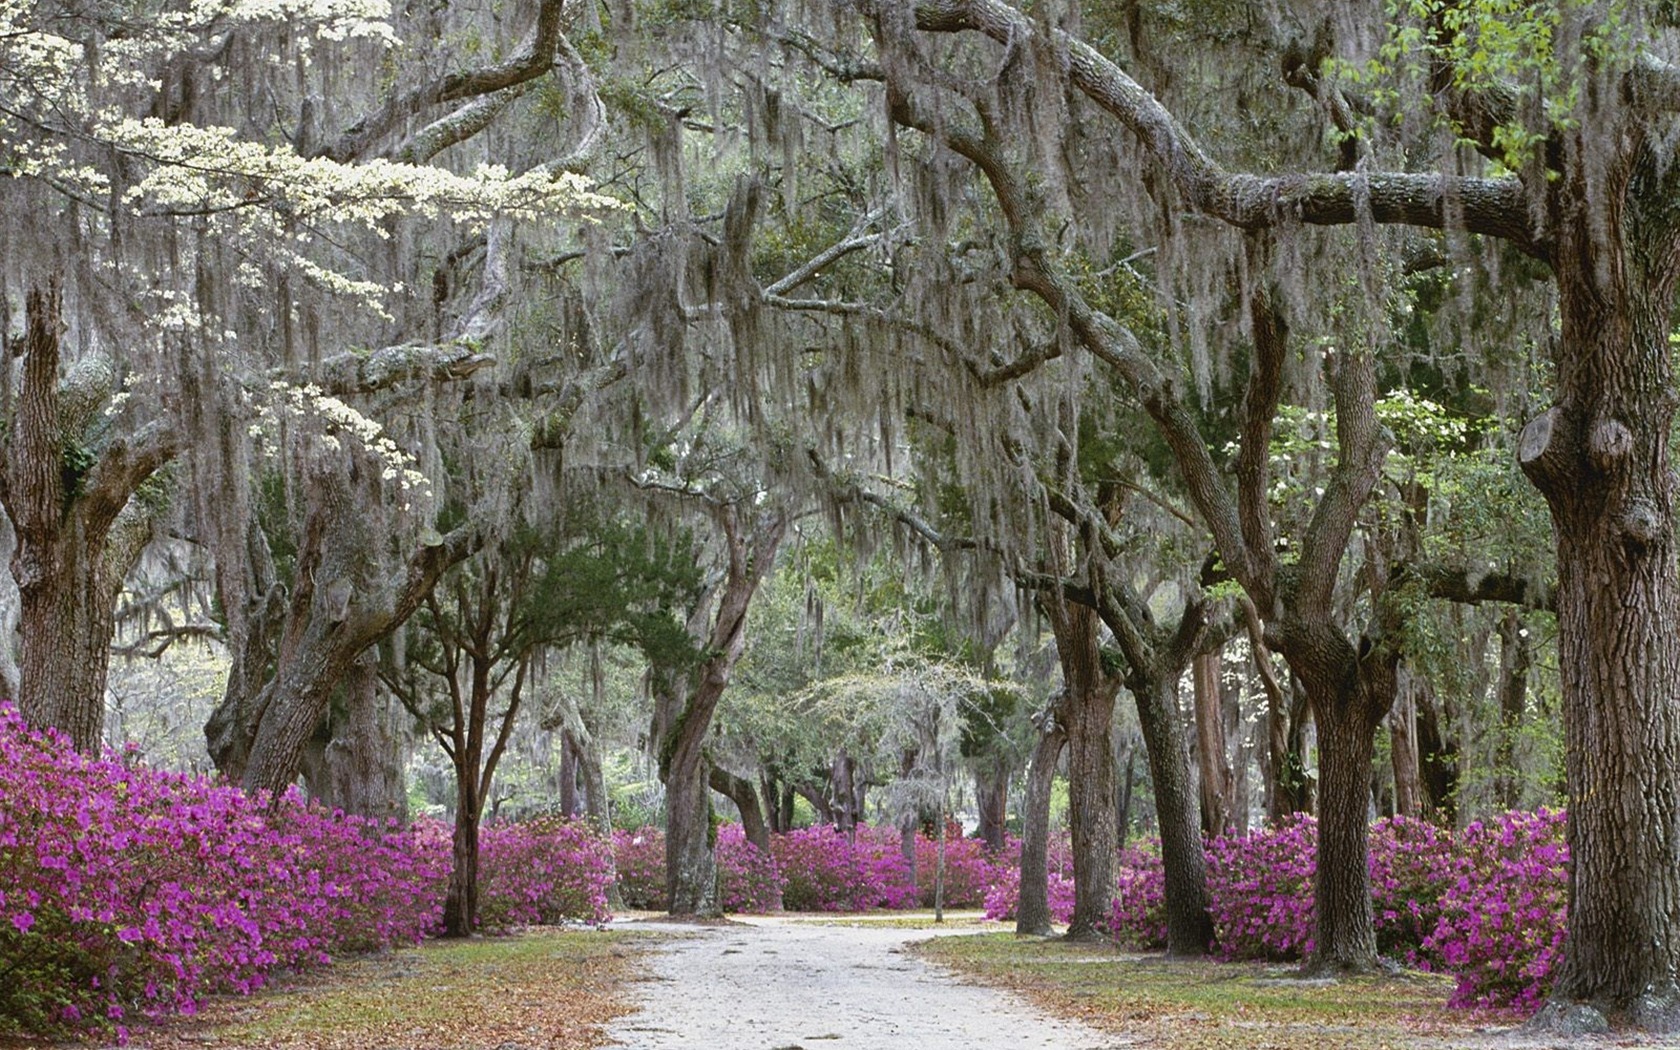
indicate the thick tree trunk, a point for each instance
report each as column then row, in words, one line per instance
column 1032, row 907
column 78, row 529
column 1214, row 762
column 1349, row 697
column 1189, row 924
column 1600, row 456
column 360, row 769
column 690, row 862
column 1089, row 710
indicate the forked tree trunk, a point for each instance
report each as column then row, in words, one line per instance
column 1032, row 906
column 1600, row 456
column 684, row 713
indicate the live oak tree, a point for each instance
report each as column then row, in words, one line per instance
column 1574, row 171
column 199, row 249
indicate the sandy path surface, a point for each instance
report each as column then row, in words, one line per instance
column 772, row 984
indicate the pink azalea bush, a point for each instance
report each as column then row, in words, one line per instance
column 1502, row 920
column 824, row 871
column 1138, row 915
column 970, row 870
column 124, row 890
column 747, row 877
column 542, row 872
column 1004, row 894
column 640, row 856
column 1260, row 887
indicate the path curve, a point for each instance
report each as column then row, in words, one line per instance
column 780, row 984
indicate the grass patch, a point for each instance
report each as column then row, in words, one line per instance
column 1209, row 1005
column 542, row 988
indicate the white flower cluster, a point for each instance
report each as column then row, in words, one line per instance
column 339, row 420
column 212, row 170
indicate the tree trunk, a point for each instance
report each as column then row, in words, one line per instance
column 1213, row 761
column 683, row 714
column 460, row 903
column 361, row 766
column 1032, row 906
column 1189, row 924
column 1600, row 456
column 991, row 798
column 576, row 736
column 1090, row 717
column 1123, row 794
column 1349, row 698
column 740, row 791
column 568, row 779
column 1515, row 657
column 78, row 528
column 847, row 791
column 1403, row 748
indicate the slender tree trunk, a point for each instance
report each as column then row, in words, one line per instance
column 1437, row 755
column 460, row 902
column 685, row 709
column 1515, row 657
column 1403, row 748
column 1032, row 907
column 991, row 798
column 740, row 791
column 568, row 779
column 1189, row 924
column 1123, row 795
column 1214, row 762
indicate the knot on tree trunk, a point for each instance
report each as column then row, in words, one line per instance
column 1543, row 453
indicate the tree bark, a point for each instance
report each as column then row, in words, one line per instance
column 360, row 767
column 1189, row 923
column 1515, row 657
column 1403, row 749
column 79, row 528
column 1600, row 456
column 1032, row 906
column 1089, row 713
column 1349, row 698
column 685, row 708
column 991, row 798
column 1213, row 761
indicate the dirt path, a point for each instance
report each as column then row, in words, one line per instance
column 780, row 984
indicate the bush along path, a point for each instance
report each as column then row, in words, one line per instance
column 782, row 983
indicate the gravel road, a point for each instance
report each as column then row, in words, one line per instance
column 779, row 984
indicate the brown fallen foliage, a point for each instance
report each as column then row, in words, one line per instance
column 541, row 989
